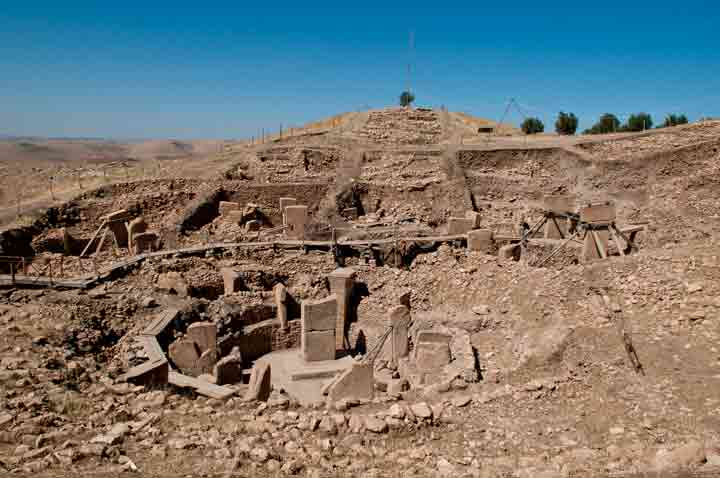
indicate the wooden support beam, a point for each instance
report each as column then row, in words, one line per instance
column 104, row 223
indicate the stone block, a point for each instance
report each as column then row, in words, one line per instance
column 475, row 217
column 232, row 280
column 319, row 315
column 460, row 225
column 136, row 226
column 184, row 353
column 145, row 242
column 481, row 240
column 318, row 346
column 204, row 334
column 355, row 383
column 432, row 351
column 260, row 384
column 229, row 369
column 598, row 213
column 226, row 206
column 280, row 297
column 296, row 220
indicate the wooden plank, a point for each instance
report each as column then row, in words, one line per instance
column 152, row 347
column 101, row 242
column 599, row 244
column 160, row 322
column 628, row 229
column 93, row 238
column 200, row 386
column 150, row 369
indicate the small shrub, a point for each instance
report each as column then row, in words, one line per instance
column 532, row 126
column 406, row 98
column 638, row 122
column 608, row 123
column 673, row 119
column 566, row 123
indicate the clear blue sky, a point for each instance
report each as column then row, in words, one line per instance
column 227, row 69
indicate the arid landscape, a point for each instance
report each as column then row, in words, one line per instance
column 393, row 292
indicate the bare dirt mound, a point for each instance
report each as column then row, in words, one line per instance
column 172, row 149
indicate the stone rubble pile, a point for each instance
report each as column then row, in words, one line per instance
column 403, row 126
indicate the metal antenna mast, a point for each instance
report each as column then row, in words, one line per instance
column 410, row 59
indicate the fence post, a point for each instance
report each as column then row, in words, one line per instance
column 12, row 272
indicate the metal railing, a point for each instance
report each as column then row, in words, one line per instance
column 52, row 269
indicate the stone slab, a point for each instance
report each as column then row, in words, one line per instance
column 260, row 384
column 319, row 315
column 200, row 386
column 399, row 318
column 311, row 376
column 296, row 221
column 342, row 282
column 184, row 353
column 356, row 383
column 228, row 370
column 318, row 345
column 136, row 226
column 280, row 297
column 204, row 334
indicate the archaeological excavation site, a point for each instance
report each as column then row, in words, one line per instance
column 396, row 292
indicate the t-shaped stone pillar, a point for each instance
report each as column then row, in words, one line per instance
column 341, row 285
column 400, row 322
column 296, row 218
column 285, row 202
column 116, row 223
column 280, row 296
